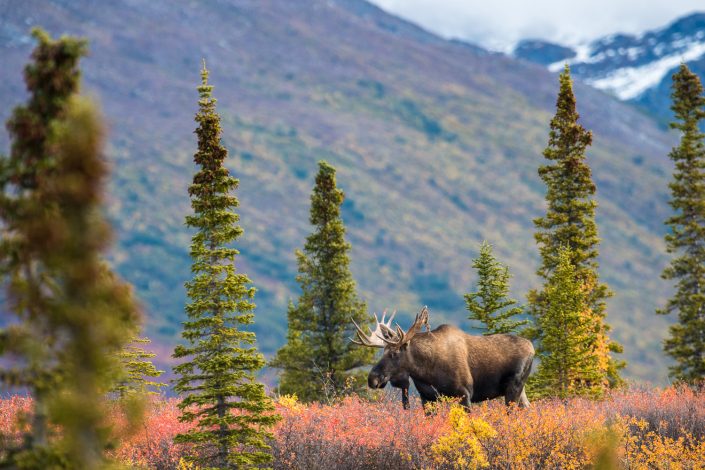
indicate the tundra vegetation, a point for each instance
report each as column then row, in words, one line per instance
column 68, row 350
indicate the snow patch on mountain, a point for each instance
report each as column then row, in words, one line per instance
column 630, row 82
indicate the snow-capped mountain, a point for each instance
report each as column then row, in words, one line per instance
column 633, row 68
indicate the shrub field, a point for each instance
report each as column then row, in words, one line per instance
column 634, row 429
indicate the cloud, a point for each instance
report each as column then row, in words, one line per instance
column 498, row 24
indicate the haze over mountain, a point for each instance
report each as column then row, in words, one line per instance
column 437, row 144
column 634, row 68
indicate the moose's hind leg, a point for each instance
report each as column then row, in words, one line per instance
column 515, row 387
column 523, row 401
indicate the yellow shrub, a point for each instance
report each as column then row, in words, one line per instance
column 185, row 465
column 461, row 446
column 291, row 403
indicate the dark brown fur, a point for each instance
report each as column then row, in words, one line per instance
column 450, row 362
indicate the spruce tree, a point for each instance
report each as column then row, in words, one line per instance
column 490, row 306
column 52, row 77
column 93, row 311
column 568, row 364
column 136, row 370
column 219, row 392
column 74, row 315
column 319, row 358
column 686, row 238
column 570, row 221
column 71, row 314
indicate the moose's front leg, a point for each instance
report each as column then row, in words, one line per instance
column 403, row 384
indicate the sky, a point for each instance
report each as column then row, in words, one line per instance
column 499, row 24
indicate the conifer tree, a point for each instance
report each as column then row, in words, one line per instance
column 686, row 239
column 219, row 392
column 72, row 315
column 568, row 364
column 490, row 306
column 92, row 310
column 570, row 221
column 51, row 78
column 318, row 353
column 137, row 369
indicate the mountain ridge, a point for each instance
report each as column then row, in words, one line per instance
column 635, row 68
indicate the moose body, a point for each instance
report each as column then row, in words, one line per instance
column 449, row 362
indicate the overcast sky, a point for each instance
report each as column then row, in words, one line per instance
column 497, row 24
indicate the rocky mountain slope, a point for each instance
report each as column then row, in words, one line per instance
column 437, row 145
column 635, row 68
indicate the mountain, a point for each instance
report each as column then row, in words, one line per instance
column 437, row 145
column 633, row 68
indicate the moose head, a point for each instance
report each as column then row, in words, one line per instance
column 392, row 367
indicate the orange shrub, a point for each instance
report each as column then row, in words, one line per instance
column 635, row 429
column 355, row 433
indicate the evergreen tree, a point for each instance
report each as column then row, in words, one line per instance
column 687, row 236
column 217, row 383
column 568, row 364
column 319, row 357
column 72, row 315
column 490, row 305
column 570, row 221
column 136, row 370
column 51, row 78
column 92, row 311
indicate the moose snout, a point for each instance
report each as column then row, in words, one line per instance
column 375, row 381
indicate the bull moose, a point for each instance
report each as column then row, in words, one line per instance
column 448, row 361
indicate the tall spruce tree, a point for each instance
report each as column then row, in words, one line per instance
column 570, row 220
column 568, row 364
column 491, row 306
column 219, row 391
column 72, row 314
column 92, row 312
column 319, row 357
column 687, row 236
column 52, row 77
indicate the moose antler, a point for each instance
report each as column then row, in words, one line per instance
column 377, row 337
column 402, row 337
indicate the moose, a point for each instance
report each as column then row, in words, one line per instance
column 448, row 362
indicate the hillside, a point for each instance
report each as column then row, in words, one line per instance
column 635, row 68
column 437, row 145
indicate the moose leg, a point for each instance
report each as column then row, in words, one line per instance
column 515, row 388
column 514, row 391
column 403, row 384
column 427, row 393
column 466, row 397
column 523, row 401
